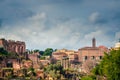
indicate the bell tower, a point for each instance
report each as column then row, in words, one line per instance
column 93, row 42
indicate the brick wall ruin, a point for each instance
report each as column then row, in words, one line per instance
column 13, row 46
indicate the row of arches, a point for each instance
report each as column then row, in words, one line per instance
column 16, row 48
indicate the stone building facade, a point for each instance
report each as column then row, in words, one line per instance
column 58, row 55
column 91, row 55
column 13, row 46
column 68, row 58
column 71, row 54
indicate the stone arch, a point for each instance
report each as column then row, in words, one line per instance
column 22, row 48
column 16, row 49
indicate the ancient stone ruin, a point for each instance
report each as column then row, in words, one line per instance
column 18, row 47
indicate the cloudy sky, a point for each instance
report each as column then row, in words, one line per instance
column 60, row 24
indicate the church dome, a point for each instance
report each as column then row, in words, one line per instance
column 117, row 45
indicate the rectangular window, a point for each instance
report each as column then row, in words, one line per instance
column 92, row 57
column 100, row 57
column 84, row 58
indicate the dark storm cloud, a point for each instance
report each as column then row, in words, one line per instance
column 12, row 11
column 60, row 23
column 0, row 23
column 116, row 16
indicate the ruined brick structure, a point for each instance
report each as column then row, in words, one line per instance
column 58, row 55
column 65, row 62
column 13, row 46
column 68, row 58
column 35, row 60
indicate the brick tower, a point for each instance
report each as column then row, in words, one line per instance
column 93, row 42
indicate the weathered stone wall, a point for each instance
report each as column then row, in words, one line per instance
column 90, row 54
column 13, row 46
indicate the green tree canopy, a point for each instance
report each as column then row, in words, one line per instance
column 3, row 51
column 54, row 70
column 41, row 52
column 87, row 78
column 36, row 50
column 109, row 67
column 56, row 67
column 48, row 52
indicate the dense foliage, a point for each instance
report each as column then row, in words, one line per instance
column 109, row 67
column 54, row 70
column 48, row 52
column 88, row 78
column 3, row 51
column 56, row 67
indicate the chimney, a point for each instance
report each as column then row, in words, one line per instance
column 93, row 42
